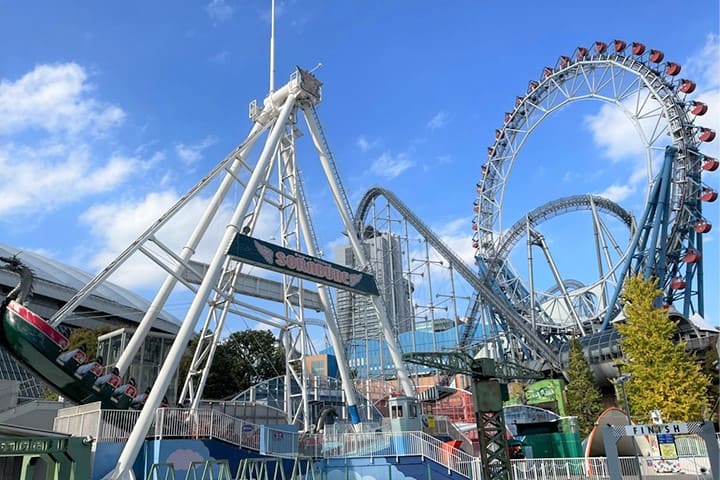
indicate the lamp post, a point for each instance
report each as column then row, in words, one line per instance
column 621, row 380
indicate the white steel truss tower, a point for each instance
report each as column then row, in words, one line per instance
column 273, row 183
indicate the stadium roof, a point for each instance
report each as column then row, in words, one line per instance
column 60, row 282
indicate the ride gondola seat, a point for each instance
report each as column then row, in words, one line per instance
column 72, row 359
column 125, row 394
column 105, row 385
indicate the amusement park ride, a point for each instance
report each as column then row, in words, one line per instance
column 507, row 317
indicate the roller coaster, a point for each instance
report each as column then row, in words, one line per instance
column 506, row 315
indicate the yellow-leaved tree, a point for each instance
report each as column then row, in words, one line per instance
column 664, row 376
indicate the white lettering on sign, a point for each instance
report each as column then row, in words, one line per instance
column 316, row 269
column 674, row 428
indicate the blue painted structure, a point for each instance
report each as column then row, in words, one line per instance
column 182, row 452
column 384, row 468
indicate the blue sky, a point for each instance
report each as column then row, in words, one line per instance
column 111, row 110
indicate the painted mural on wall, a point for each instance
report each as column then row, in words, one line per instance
column 183, row 452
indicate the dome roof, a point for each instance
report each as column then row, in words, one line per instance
column 62, row 281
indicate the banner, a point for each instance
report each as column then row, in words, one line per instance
column 290, row 262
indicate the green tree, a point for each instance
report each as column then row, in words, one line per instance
column 185, row 362
column 89, row 338
column 259, row 354
column 243, row 359
column 709, row 366
column 583, row 396
column 664, row 376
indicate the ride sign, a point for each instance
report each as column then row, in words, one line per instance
column 667, row 428
column 666, row 445
column 283, row 260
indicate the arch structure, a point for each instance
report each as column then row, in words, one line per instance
column 652, row 96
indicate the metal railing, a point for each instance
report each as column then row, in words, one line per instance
column 116, row 425
column 688, row 445
column 383, row 444
column 570, row 468
column 185, row 423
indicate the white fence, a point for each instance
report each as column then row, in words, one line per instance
column 630, row 467
column 184, row 423
column 116, row 425
column 385, row 444
column 81, row 421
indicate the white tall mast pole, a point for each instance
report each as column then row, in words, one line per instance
column 335, row 337
column 325, row 161
column 272, row 46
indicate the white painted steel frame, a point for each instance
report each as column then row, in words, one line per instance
column 123, row 470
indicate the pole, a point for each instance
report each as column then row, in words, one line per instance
column 622, row 379
column 272, row 46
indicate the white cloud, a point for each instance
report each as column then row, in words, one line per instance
column 219, row 11
column 55, row 98
column 190, row 154
column 614, row 133
column 438, row 121
column 455, row 234
column 41, row 179
column 114, row 226
column 705, row 65
column 617, row 193
column 364, row 144
column 389, row 166
column 612, row 130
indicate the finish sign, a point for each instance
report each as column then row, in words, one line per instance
column 666, row 428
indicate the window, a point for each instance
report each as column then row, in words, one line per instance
column 317, row 367
column 115, row 350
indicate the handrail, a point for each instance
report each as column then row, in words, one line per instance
column 378, row 444
column 116, row 425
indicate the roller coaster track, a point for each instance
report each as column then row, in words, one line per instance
column 514, row 320
column 558, row 207
column 512, row 287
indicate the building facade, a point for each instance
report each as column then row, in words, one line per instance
column 356, row 316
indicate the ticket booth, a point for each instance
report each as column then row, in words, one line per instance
column 404, row 414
